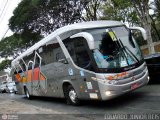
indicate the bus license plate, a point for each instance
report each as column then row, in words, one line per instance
column 134, row 86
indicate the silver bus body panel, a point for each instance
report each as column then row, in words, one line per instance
column 57, row 75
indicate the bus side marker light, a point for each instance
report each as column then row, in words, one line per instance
column 98, row 80
column 94, row 78
column 109, row 78
column 81, row 90
column 117, row 76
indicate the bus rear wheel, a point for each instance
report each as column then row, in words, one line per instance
column 71, row 96
column 27, row 93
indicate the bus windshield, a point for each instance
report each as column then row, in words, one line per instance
column 115, row 47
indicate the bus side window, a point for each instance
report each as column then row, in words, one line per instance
column 42, row 54
column 78, row 50
column 23, row 67
column 19, row 69
column 50, row 52
column 30, row 67
column 57, row 56
column 82, row 56
column 27, row 59
column 37, row 62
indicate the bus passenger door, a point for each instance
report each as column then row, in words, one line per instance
column 29, row 77
column 60, row 67
column 38, row 79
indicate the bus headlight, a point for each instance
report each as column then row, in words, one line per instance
column 108, row 93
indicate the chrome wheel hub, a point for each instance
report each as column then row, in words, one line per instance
column 72, row 95
column 27, row 94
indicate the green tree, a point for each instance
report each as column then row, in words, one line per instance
column 14, row 45
column 9, row 45
column 5, row 64
column 34, row 19
column 120, row 10
column 93, row 10
column 157, row 10
column 142, row 9
column 134, row 12
column 156, row 17
column 44, row 17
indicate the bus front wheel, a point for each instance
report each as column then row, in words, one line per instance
column 71, row 96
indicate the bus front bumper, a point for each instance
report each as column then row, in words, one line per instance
column 112, row 91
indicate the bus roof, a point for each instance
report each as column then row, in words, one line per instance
column 68, row 28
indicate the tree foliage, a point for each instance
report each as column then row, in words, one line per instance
column 120, row 10
column 10, row 45
column 34, row 19
column 142, row 9
column 16, row 44
column 43, row 17
column 93, row 9
column 157, row 9
column 134, row 12
column 5, row 64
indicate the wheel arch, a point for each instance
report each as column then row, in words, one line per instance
column 65, row 85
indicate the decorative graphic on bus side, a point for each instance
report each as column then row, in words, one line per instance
column 37, row 75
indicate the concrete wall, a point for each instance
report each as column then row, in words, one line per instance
column 145, row 51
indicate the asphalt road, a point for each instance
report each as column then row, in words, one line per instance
column 143, row 101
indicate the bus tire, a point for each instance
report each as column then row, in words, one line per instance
column 27, row 94
column 71, row 96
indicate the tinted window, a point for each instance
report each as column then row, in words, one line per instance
column 78, row 50
column 51, row 52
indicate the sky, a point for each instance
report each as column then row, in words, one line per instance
column 6, row 14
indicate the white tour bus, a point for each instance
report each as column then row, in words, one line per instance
column 97, row 60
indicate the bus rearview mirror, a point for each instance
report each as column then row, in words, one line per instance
column 143, row 31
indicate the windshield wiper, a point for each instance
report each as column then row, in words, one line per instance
column 125, row 47
column 120, row 44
